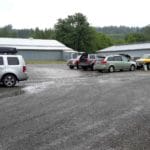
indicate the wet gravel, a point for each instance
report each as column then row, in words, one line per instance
column 63, row 109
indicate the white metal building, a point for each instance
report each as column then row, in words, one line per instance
column 134, row 50
column 37, row 49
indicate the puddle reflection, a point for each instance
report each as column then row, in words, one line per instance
column 11, row 92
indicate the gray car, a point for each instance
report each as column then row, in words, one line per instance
column 12, row 69
column 114, row 63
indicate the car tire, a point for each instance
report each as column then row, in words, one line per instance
column 148, row 66
column 84, row 68
column 132, row 67
column 77, row 66
column 71, row 67
column 9, row 80
column 92, row 67
column 111, row 69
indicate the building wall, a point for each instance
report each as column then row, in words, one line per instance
column 132, row 53
column 41, row 54
column 68, row 55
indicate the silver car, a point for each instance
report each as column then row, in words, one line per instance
column 12, row 69
column 114, row 63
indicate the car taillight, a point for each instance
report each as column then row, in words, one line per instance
column 103, row 61
column 87, row 61
column 24, row 69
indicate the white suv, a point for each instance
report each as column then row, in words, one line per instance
column 12, row 69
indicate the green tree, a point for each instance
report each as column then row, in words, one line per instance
column 43, row 34
column 75, row 32
column 7, row 31
column 146, row 32
column 102, row 41
column 135, row 37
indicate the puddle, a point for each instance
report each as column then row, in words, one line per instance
column 38, row 87
column 30, row 89
column 11, row 92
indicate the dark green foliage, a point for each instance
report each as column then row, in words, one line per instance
column 118, row 34
column 43, row 34
column 7, row 31
column 24, row 33
column 117, row 30
column 135, row 38
column 75, row 32
column 102, row 41
column 146, row 32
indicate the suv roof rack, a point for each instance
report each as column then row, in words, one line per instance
column 8, row 50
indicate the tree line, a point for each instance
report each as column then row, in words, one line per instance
column 75, row 32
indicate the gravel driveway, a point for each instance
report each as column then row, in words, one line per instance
column 62, row 109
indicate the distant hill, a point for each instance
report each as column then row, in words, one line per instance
column 117, row 32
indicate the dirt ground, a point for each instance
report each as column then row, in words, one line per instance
column 63, row 109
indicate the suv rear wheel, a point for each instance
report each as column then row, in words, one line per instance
column 132, row 68
column 9, row 80
column 111, row 69
column 71, row 67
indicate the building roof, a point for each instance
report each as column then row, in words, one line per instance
column 142, row 46
column 33, row 44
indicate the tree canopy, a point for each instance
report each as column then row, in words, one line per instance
column 75, row 32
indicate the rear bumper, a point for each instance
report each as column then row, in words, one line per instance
column 85, row 65
column 23, row 77
column 100, row 67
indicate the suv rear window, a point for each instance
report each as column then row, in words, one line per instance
column 92, row 56
column 1, row 61
column 13, row 61
column 110, row 59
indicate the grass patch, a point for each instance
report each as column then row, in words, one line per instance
column 45, row 62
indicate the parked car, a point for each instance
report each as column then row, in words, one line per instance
column 144, row 60
column 73, row 62
column 12, row 68
column 87, row 61
column 114, row 63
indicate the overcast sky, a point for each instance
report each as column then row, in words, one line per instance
column 45, row 13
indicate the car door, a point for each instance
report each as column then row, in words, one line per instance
column 118, row 63
column 125, row 63
column 2, row 66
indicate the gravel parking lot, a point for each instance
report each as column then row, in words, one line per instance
column 63, row 109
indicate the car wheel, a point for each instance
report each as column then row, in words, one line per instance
column 84, row 68
column 9, row 80
column 111, row 69
column 92, row 67
column 71, row 67
column 148, row 66
column 77, row 66
column 132, row 68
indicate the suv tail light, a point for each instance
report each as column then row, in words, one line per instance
column 87, row 61
column 24, row 69
column 103, row 61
